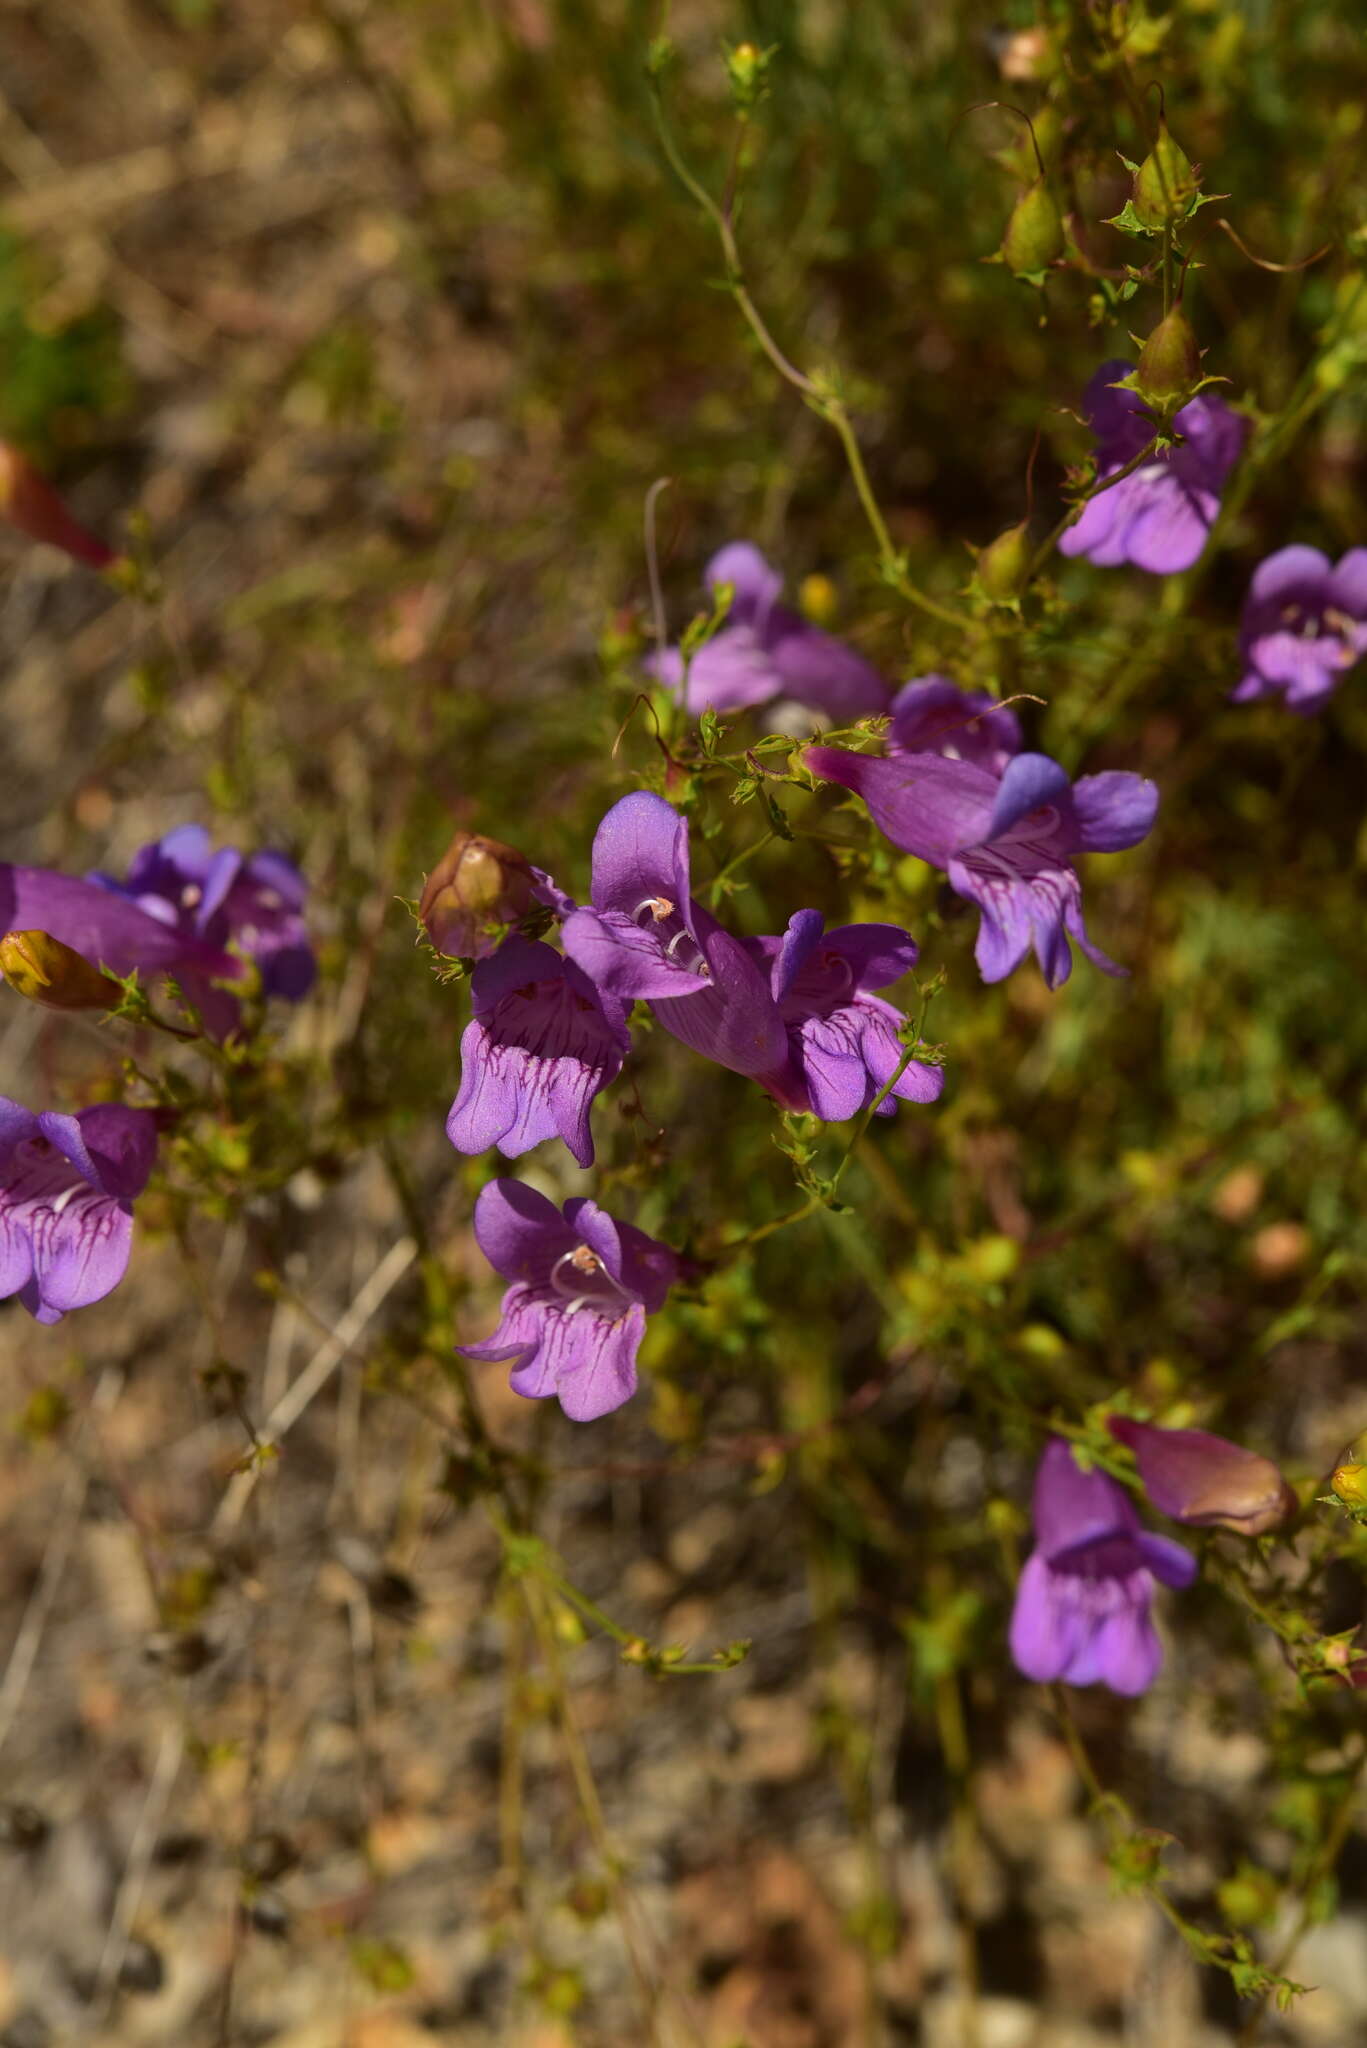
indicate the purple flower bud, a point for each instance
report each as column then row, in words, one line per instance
column 1005, row 839
column 1083, row 1605
column 583, row 1285
column 764, row 650
column 1204, row 1480
column 1304, row 626
column 66, row 1202
column 1159, row 517
column 477, row 883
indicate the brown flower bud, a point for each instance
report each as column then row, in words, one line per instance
column 476, row 886
column 40, row 967
column 1169, row 367
column 29, row 503
column 1034, row 234
column 1004, row 565
column 1165, row 183
column 1205, row 1480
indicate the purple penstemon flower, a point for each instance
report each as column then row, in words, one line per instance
column 645, row 937
column 542, row 1043
column 583, row 1285
column 225, row 898
column 1304, row 626
column 843, row 1038
column 1082, row 1609
column 931, row 716
column 1005, row 841
column 1158, row 517
column 110, row 931
column 765, row 650
column 67, row 1185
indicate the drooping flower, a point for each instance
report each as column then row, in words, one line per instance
column 541, row 1044
column 843, row 1039
column 1304, row 626
column 1005, row 841
column 110, row 931
column 931, row 716
column 67, row 1185
column 645, row 937
column 30, row 505
column 252, row 902
column 765, row 650
column 583, row 1284
column 1205, row 1480
column 1083, row 1604
column 1158, row 517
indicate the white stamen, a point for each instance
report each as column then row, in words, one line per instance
column 659, row 907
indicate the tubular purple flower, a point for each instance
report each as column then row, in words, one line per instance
column 1304, row 626
column 1082, row 1609
column 1159, row 517
column 1205, row 1480
column 541, row 1044
column 583, row 1285
column 645, row 937
column 931, row 716
column 67, row 1185
column 1005, row 841
column 843, row 1039
column 109, row 931
column 764, row 650
column 253, row 903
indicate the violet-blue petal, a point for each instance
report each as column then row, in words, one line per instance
column 1347, row 585
column 111, row 1146
column 928, row 806
column 1286, row 571
column 624, row 959
column 520, row 1233
column 931, row 716
column 756, row 584
column 1171, row 1562
column 106, row 929
column 1045, row 1631
column 1113, row 810
column 1128, row 1653
column 1073, row 1508
column 640, row 850
column 1029, row 782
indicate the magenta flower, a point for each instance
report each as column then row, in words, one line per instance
column 1304, row 626
column 109, row 931
column 645, row 937
column 1082, row 1606
column 541, row 1044
column 252, row 903
column 764, row 650
column 66, row 1202
column 842, row 1038
column 1204, row 1480
column 931, row 716
column 1005, row 841
column 583, row 1285
column 1159, row 517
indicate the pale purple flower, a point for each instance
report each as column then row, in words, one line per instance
column 765, row 650
column 110, row 931
column 645, row 937
column 1304, row 626
column 1159, row 517
column 251, row 902
column 1204, row 1480
column 583, row 1285
column 843, row 1038
column 1005, row 841
column 1083, row 1604
column 931, row 716
column 66, row 1202
column 541, row 1044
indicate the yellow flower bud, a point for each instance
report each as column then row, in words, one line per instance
column 819, row 599
column 40, row 967
column 1350, row 1483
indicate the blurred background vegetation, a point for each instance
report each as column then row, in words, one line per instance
column 369, row 327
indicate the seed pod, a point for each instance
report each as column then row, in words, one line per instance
column 1170, row 362
column 48, row 972
column 477, row 885
column 1004, row 565
column 1034, row 234
column 29, row 503
column 1165, row 183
